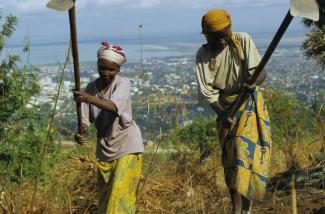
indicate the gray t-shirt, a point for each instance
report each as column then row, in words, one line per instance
column 228, row 74
column 117, row 134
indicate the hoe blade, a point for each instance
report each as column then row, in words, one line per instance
column 61, row 5
column 308, row 9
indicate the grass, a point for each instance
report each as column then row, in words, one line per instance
column 175, row 182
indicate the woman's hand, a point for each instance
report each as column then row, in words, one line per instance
column 250, row 88
column 81, row 96
column 80, row 139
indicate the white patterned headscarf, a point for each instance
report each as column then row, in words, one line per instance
column 112, row 53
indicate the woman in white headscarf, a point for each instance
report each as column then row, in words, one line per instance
column 106, row 103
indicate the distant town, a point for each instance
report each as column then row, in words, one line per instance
column 171, row 82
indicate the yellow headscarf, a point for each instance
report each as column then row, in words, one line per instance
column 217, row 19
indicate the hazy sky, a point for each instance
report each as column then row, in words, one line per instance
column 119, row 19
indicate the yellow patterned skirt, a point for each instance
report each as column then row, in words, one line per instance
column 117, row 184
column 246, row 148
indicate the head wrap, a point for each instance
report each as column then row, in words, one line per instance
column 112, row 53
column 217, row 19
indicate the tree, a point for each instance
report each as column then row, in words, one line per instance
column 17, row 86
column 314, row 45
column 22, row 124
column 7, row 68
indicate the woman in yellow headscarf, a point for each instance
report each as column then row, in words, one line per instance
column 223, row 66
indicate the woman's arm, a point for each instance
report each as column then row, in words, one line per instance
column 108, row 105
column 217, row 108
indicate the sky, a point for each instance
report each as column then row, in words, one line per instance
column 161, row 19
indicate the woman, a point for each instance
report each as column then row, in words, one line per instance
column 106, row 102
column 223, row 67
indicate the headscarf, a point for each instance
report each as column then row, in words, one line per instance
column 112, row 53
column 217, row 19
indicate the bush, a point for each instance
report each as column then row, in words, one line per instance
column 290, row 122
column 200, row 133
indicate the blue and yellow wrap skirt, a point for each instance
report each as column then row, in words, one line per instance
column 246, row 147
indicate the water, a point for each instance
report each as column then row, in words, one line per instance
column 53, row 53
column 41, row 54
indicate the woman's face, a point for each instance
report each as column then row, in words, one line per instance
column 219, row 39
column 107, row 70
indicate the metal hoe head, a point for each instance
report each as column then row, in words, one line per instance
column 308, row 9
column 61, row 5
